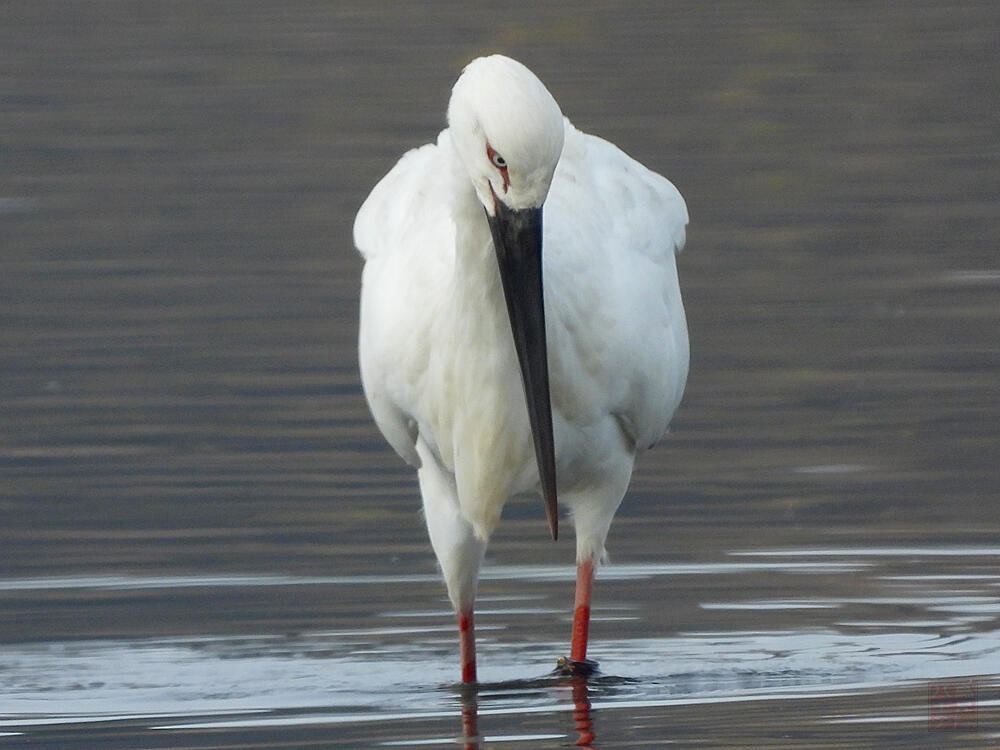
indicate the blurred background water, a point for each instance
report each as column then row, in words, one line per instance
column 189, row 476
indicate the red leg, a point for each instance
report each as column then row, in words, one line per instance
column 467, row 645
column 581, row 610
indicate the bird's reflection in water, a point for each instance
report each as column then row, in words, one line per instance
column 583, row 724
column 470, row 718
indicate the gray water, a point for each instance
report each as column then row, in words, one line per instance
column 205, row 543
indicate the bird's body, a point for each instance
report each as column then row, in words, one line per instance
column 445, row 379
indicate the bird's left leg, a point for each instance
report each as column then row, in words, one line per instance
column 458, row 551
column 578, row 664
column 593, row 511
column 581, row 611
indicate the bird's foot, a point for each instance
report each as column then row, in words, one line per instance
column 567, row 667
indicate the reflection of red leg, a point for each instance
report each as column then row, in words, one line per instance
column 581, row 610
column 581, row 715
column 467, row 645
column 470, row 721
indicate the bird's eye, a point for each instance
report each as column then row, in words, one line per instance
column 498, row 161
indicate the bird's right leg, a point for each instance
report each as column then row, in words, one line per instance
column 458, row 551
column 467, row 645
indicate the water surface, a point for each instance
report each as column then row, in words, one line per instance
column 837, row 640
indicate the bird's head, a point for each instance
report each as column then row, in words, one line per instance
column 508, row 131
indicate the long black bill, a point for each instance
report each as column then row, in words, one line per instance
column 517, row 237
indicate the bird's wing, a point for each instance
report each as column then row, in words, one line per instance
column 388, row 213
column 613, row 230
column 406, row 235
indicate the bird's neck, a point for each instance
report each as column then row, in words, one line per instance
column 492, row 448
column 481, row 435
column 476, row 273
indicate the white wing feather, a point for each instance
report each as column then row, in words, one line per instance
column 406, row 235
column 618, row 341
